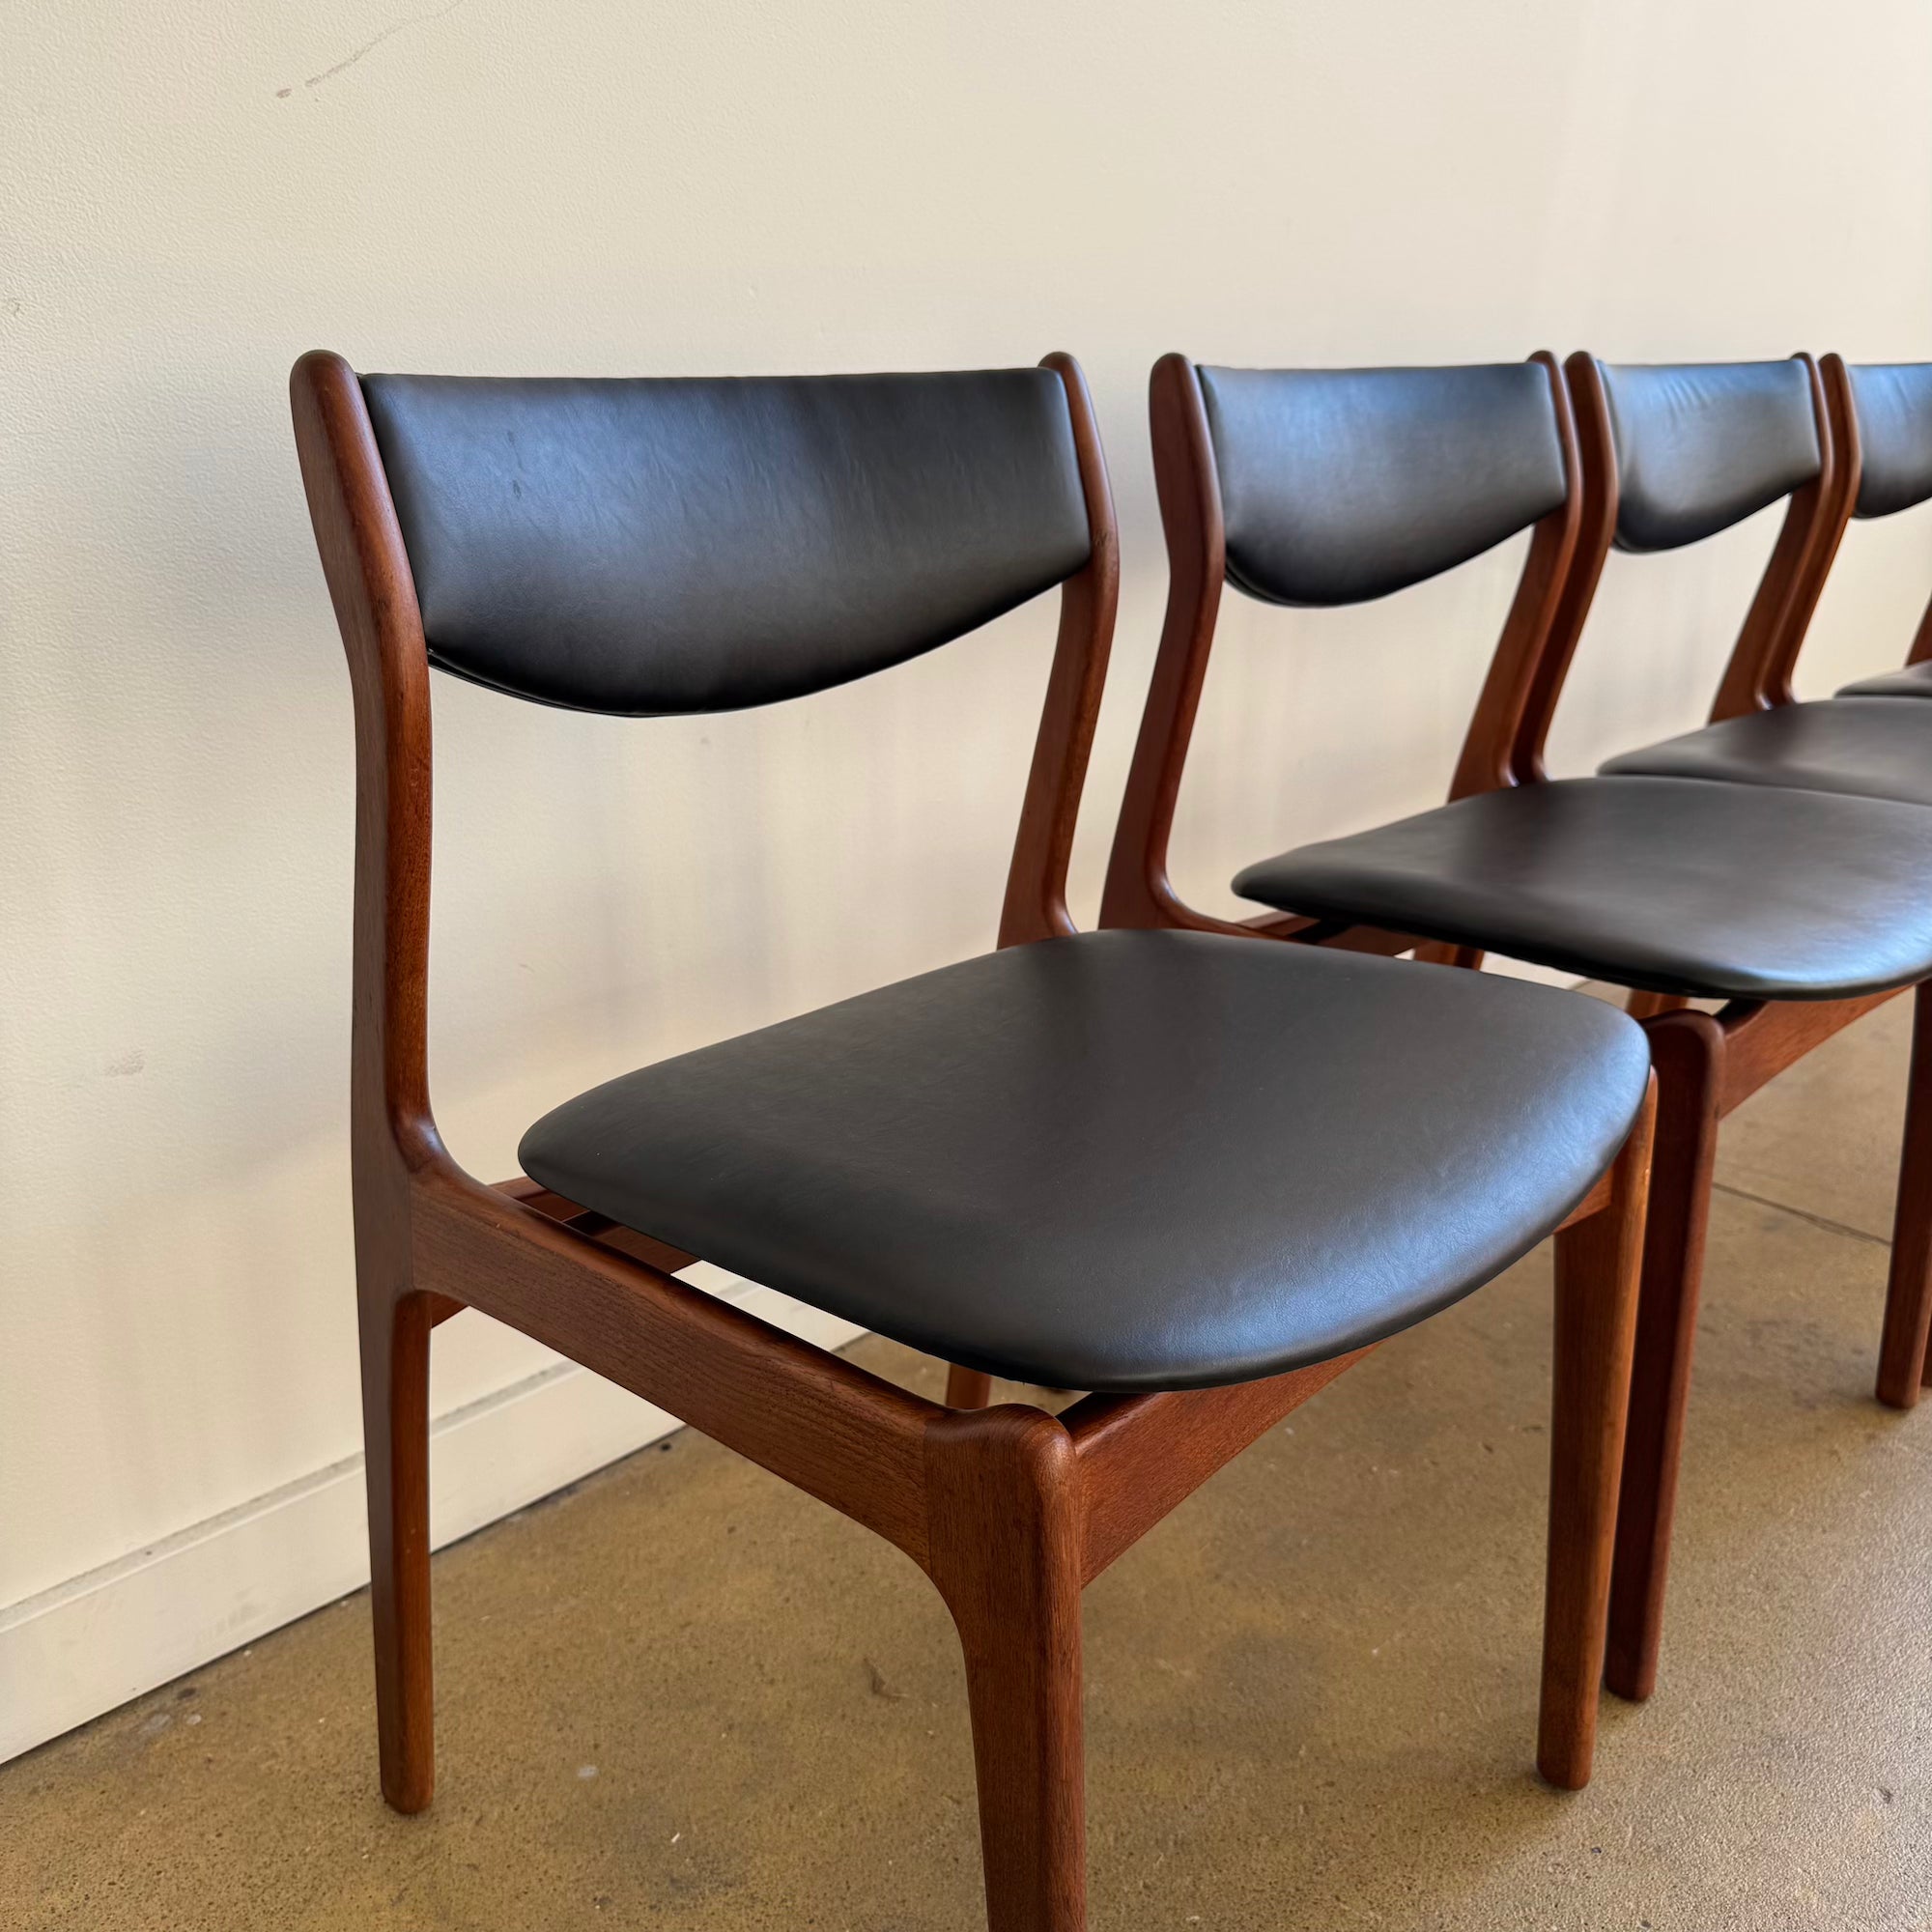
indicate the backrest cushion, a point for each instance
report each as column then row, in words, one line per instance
column 1893, row 405
column 656, row 546
column 1340, row 485
column 1703, row 445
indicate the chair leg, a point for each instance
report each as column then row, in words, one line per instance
column 1599, row 1263
column 1902, row 1364
column 967, row 1388
column 1443, row 952
column 1687, row 1051
column 1643, row 1005
column 395, row 1441
column 1005, row 1529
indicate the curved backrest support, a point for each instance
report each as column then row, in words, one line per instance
column 1701, row 446
column 657, row 546
column 1341, row 484
column 1893, row 406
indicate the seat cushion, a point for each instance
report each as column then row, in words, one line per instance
column 1913, row 681
column 1855, row 745
column 1677, row 886
column 1122, row 1160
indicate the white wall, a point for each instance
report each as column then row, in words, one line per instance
column 194, row 192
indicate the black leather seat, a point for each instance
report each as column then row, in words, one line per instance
column 1715, row 891
column 1123, row 1160
column 1853, row 744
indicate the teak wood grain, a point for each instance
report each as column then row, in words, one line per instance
column 1146, row 1454
column 1009, row 1511
column 1687, row 1052
column 1599, row 1262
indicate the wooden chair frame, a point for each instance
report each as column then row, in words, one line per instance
column 1771, row 686
column 1009, row 1509
column 1504, row 744
column 1706, row 1065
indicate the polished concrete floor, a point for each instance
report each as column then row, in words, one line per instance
column 683, row 1696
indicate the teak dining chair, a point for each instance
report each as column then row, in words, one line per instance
column 1197, row 1177
column 1884, row 408
column 1799, row 910
column 1878, row 422
column 1855, row 743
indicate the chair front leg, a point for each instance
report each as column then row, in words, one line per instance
column 1687, row 1053
column 1902, row 1363
column 1643, row 1005
column 395, row 1330
column 967, row 1388
column 1599, row 1264
column 1005, row 1547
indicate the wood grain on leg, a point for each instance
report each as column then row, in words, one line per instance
column 395, row 1439
column 1687, row 1053
column 1599, row 1264
column 1002, row 1491
column 1908, row 1297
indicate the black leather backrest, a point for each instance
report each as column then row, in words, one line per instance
column 1338, row 485
column 1702, row 446
column 658, row 546
column 1894, row 404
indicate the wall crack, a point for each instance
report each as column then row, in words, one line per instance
column 389, row 33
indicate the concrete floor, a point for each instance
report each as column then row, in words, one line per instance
column 682, row 1695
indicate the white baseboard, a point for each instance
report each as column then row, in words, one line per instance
column 91, row 1643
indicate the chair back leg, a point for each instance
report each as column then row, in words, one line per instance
column 1687, row 1053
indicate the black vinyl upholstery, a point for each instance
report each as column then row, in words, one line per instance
column 1122, row 1160
column 1675, row 886
column 1340, row 485
column 1703, row 445
column 660, row 546
column 1859, row 746
column 1912, row 681
column 1893, row 405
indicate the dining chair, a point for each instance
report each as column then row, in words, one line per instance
column 1876, row 426
column 1799, row 910
column 1193, row 1177
column 1878, row 422
column 1885, row 411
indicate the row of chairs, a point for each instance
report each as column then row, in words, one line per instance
column 1195, row 1167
